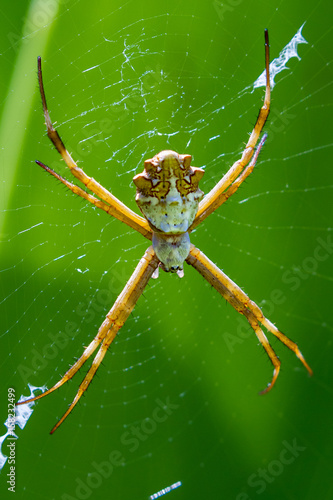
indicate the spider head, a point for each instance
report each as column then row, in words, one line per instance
column 166, row 169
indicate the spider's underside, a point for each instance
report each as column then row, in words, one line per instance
column 169, row 197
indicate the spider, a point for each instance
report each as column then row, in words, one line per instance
column 168, row 195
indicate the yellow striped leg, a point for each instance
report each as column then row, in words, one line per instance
column 214, row 198
column 242, row 303
column 114, row 320
column 119, row 210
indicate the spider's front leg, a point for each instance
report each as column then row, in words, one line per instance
column 109, row 202
column 216, row 197
column 114, row 320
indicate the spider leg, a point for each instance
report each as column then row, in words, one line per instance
column 281, row 336
column 215, row 197
column 120, row 211
column 91, row 372
column 258, row 314
column 141, row 227
column 72, row 370
column 236, row 184
column 241, row 302
column 113, row 322
column 268, row 348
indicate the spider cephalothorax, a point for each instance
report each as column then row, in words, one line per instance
column 171, row 202
column 168, row 195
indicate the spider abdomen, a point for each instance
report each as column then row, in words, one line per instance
column 171, row 250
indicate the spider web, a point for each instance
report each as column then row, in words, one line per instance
column 178, row 389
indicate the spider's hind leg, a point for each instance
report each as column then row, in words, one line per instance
column 108, row 330
column 72, row 370
column 267, row 346
column 244, row 305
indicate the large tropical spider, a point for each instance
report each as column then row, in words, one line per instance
column 173, row 205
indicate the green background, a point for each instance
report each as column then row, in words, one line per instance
column 173, row 77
